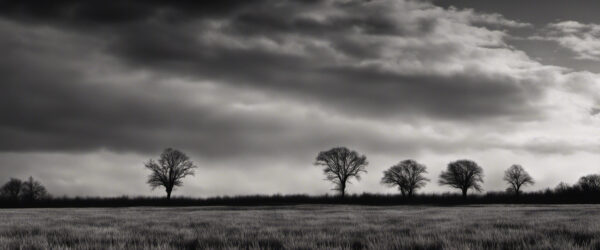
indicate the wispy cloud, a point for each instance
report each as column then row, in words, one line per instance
column 582, row 39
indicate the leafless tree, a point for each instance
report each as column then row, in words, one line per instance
column 33, row 190
column 341, row 164
column 516, row 176
column 170, row 170
column 589, row 183
column 407, row 175
column 464, row 175
column 12, row 189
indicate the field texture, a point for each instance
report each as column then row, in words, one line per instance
column 304, row 227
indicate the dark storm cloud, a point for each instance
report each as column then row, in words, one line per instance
column 451, row 97
column 313, row 73
column 336, row 58
column 48, row 111
column 49, row 104
column 114, row 12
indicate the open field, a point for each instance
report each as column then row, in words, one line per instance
column 302, row 227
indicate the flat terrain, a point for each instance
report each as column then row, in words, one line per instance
column 304, row 227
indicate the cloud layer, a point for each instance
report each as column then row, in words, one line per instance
column 241, row 85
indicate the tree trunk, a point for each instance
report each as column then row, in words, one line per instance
column 168, row 194
column 343, row 188
column 464, row 193
column 410, row 193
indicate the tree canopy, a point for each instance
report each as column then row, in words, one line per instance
column 516, row 176
column 340, row 165
column 172, row 166
column 464, row 175
column 407, row 176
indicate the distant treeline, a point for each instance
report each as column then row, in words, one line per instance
column 340, row 165
column 560, row 195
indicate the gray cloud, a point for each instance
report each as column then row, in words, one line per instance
column 325, row 59
column 581, row 39
column 321, row 59
column 239, row 85
column 102, row 13
column 543, row 14
column 357, row 59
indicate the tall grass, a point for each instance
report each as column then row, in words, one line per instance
column 304, row 227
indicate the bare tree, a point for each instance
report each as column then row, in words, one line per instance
column 12, row 189
column 341, row 164
column 589, row 183
column 170, row 169
column 33, row 190
column 407, row 175
column 464, row 175
column 516, row 176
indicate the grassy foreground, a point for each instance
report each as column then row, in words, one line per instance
column 304, row 227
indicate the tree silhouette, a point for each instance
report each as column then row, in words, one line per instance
column 341, row 164
column 516, row 176
column 562, row 187
column 464, row 175
column 589, row 183
column 170, row 169
column 33, row 190
column 407, row 175
column 12, row 189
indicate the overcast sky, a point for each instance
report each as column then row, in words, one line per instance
column 253, row 90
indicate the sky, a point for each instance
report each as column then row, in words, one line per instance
column 253, row 90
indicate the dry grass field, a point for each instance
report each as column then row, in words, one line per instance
column 304, row 227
